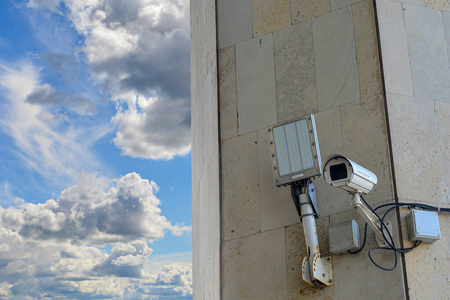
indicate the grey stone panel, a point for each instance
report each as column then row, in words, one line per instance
column 205, row 187
column 294, row 71
column 337, row 4
column 329, row 199
column 205, row 152
column 428, row 53
column 295, row 251
column 254, row 267
column 198, row 63
column 394, row 49
column 415, row 149
column 364, row 136
column 255, row 77
column 227, row 93
column 443, row 123
column 234, row 21
column 302, row 10
column 276, row 207
column 336, row 69
column 240, row 203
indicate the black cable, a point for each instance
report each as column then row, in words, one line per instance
column 391, row 245
column 363, row 244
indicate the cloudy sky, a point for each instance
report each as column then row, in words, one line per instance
column 95, row 149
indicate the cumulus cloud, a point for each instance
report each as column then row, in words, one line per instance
column 138, row 49
column 139, row 126
column 92, row 213
column 60, row 239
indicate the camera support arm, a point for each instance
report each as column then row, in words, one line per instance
column 371, row 219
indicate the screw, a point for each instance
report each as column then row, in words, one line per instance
column 323, row 274
column 330, row 281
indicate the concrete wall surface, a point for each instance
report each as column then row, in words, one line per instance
column 261, row 62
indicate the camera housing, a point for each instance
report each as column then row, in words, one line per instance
column 341, row 172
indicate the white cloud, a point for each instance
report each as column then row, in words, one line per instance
column 47, row 141
column 57, row 240
column 138, row 51
column 135, row 49
column 139, row 128
column 93, row 213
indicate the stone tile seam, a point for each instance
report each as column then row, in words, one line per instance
column 445, row 39
column 350, row 9
column 390, row 146
column 407, row 49
column 251, row 235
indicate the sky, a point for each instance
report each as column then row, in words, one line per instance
column 95, row 176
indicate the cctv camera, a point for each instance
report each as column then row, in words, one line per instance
column 343, row 173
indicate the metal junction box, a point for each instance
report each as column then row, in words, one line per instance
column 344, row 237
column 423, row 226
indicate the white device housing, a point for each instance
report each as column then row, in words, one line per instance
column 345, row 174
column 423, row 226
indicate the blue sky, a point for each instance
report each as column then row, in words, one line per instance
column 95, row 178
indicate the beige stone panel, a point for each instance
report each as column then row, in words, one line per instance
column 364, row 135
column 443, row 5
column 428, row 266
column 294, row 71
column 443, row 122
column 415, row 149
column 254, row 267
column 295, row 252
column 302, row 10
column 270, row 15
column 276, row 207
column 240, row 203
column 427, row 53
column 366, row 49
column 328, row 123
column 394, row 48
column 255, row 84
column 227, row 93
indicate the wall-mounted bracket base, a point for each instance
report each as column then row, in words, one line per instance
column 321, row 274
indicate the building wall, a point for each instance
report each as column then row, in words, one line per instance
column 205, row 152
column 415, row 38
column 297, row 58
column 275, row 60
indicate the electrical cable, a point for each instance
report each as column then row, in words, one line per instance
column 391, row 245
